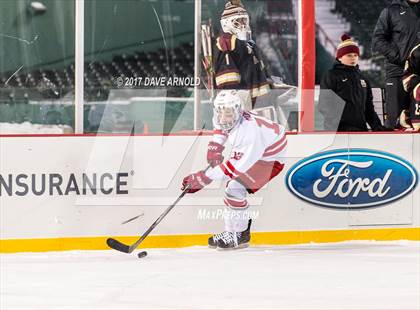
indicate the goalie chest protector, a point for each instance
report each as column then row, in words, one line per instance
column 237, row 66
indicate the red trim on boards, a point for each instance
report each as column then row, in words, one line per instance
column 353, row 133
column 207, row 133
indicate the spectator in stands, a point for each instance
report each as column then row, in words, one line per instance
column 395, row 34
column 411, row 84
column 347, row 82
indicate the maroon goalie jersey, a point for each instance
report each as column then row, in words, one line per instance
column 411, row 82
column 237, row 66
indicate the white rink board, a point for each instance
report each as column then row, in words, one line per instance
column 154, row 167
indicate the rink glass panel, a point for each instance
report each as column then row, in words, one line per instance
column 127, row 40
column 132, row 48
column 37, row 66
column 274, row 26
column 151, row 42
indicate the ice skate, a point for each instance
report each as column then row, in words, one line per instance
column 231, row 240
column 213, row 240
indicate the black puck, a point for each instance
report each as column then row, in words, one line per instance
column 142, row 254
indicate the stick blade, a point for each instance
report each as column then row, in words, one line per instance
column 116, row 245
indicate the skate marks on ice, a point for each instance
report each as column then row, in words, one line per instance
column 348, row 275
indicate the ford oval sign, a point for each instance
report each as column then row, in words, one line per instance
column 354, row 178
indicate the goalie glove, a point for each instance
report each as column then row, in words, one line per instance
column 214, row 154
column 195, row 182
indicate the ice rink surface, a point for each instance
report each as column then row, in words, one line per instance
column 350, row 275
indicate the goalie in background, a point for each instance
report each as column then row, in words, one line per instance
column 411, row 82
column 237, row 63
column 258, row 155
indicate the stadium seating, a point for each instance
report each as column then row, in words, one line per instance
column 58, row 83
column 99, row 75
column 362, row 16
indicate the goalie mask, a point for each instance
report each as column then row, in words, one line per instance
column 227, row 109
column 235, row 20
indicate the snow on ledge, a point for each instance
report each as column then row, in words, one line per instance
column 28, row 128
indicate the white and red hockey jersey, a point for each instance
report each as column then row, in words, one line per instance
column 254, row 139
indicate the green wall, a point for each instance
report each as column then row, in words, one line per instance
column 111, row 27
column 132, row 25
column 28, row 40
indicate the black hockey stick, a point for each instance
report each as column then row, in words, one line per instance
column 119, row 246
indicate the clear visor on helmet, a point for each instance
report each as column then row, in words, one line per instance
column 226, row 117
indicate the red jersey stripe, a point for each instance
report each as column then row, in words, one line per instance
column 275, row 151
column 276, row 144
column 226, row 171
column 231, row 167
column 234, row 203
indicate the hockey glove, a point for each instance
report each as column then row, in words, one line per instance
column 214, row 154
column 196, row 181
column 251, row 44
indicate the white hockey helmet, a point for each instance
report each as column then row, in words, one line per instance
column 227, row 109
column 235, row 20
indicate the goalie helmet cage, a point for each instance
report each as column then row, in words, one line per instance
column 306, row 66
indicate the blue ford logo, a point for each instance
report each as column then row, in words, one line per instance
column 355, row 178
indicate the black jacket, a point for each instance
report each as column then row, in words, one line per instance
column 346, row 100
column 395, row 34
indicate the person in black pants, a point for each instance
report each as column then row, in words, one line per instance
column 346, row 100
column 395, row 35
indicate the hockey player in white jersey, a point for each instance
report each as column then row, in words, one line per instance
column 258, row 155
